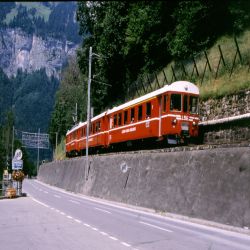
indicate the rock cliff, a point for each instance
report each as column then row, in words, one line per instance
column 30, row 52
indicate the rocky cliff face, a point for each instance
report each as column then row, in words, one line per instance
column 30, row 52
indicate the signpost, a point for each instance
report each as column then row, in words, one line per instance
column 35, row 140
column 17, row 174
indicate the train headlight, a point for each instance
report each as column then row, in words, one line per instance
column 174, row 121
column 195, row 124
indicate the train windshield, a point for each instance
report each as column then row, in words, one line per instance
column 175, row 102
column 193, row 105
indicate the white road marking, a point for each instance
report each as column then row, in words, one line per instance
column 57, row 196
column 125, row 244
column 62, row 213
column 78, row 221
column 69, row 217
column 95, row 229
column 87, row 225
column 102, row 210
column 76, row 202
column 103, row 233
column 39, row 202
column 113, row 238
column 160, row 228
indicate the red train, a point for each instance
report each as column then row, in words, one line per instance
column 169, row 114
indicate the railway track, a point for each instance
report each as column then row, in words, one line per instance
column 175, row 149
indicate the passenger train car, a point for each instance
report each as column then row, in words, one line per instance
column 169, row 114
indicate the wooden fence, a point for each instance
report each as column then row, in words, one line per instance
column 190, row 70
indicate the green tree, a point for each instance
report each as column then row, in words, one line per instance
column 72, row 90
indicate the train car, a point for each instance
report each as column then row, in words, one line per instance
column 169, row 114
column 76, row 137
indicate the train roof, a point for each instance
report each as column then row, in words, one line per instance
column 81, row 124
column 179, row 86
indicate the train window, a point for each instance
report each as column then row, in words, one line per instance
column 148, row 109
column 115, row 120
column 140, row 113
column 132, row 115
column 165, row 98
column 185, row 103
column 119, row 117
column 175, row 102
column 98, row 126
column 125, row 117
column 193, row 104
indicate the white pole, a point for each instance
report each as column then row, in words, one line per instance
column 88, row 115
column 13, row 134
column 37, row 164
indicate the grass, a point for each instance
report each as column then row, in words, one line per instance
column 60, row 152
column 41, row 11
column 223, row 84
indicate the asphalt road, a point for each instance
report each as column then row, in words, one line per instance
column 50, row 218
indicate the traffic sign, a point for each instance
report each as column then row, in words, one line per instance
column 18, row 154
column 17, row 164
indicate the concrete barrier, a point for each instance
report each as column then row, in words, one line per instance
column 211, row 184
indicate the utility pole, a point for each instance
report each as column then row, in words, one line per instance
column 88, row 116
column 37, row 164
column 56, row 140
column 12, row 144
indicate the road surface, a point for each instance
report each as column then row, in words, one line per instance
column 50, row 218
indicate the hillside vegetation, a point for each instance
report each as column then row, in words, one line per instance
column 139, row 38
column 134, row 39
column 222, row 79
column 55, row 19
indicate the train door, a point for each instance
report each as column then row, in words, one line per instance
column 159, row 99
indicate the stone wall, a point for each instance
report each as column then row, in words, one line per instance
column 237, row 131
column 227, row 106
column 211, row 184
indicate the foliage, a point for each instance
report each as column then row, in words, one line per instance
column 71, row 91
column 55, row 19
column 6, row 133
column 141, row 37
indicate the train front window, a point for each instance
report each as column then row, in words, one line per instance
column 175, row 102
column 193, row 105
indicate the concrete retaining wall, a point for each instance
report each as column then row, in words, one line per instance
column 211, row 184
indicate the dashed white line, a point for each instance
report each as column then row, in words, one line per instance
column 78, row 221
column 102, row 210
column 125, row 244
column 75, row 202
column 86, row 225
column 41, row 203
column 113, row 238
column 103, row 233
column 69, row 217
column 154, row 226
column 57, row 196
column 62, row 213
column 94, row 228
